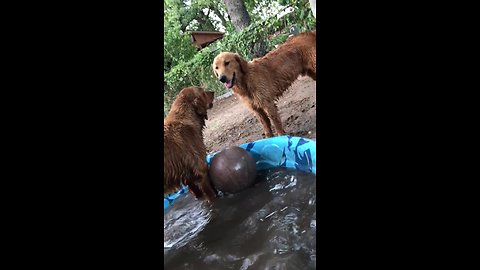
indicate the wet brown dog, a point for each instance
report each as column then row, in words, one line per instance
column 262, row 81
column 184, row 150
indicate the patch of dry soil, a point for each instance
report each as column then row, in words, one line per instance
column 231, row 123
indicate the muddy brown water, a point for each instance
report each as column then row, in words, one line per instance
column 269, row 226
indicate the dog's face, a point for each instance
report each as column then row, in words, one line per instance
column 198, row 98
column 226, row 67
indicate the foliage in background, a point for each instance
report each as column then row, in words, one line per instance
column 179, row 48
column 194, row 68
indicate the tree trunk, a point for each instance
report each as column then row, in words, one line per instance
column 237, row 11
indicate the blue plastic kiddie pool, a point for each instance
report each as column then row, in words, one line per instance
column 283, row 151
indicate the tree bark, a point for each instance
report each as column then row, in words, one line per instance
column 238, row 13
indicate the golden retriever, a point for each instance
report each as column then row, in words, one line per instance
column 184, row 150
column 261, row 82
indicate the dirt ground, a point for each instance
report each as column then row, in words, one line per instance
column 231, row 123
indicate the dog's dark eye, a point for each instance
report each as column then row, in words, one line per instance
column 226, row 63
column 216, row 67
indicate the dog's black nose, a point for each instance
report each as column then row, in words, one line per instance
column 223, row 78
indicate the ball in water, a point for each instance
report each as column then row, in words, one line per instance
column 232, row 170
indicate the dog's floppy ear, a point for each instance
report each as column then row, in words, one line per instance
column 214, row 72
column 200, row 107
column 243, row 64
column 210, row 95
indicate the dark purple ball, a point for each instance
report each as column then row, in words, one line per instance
column 232, row 170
